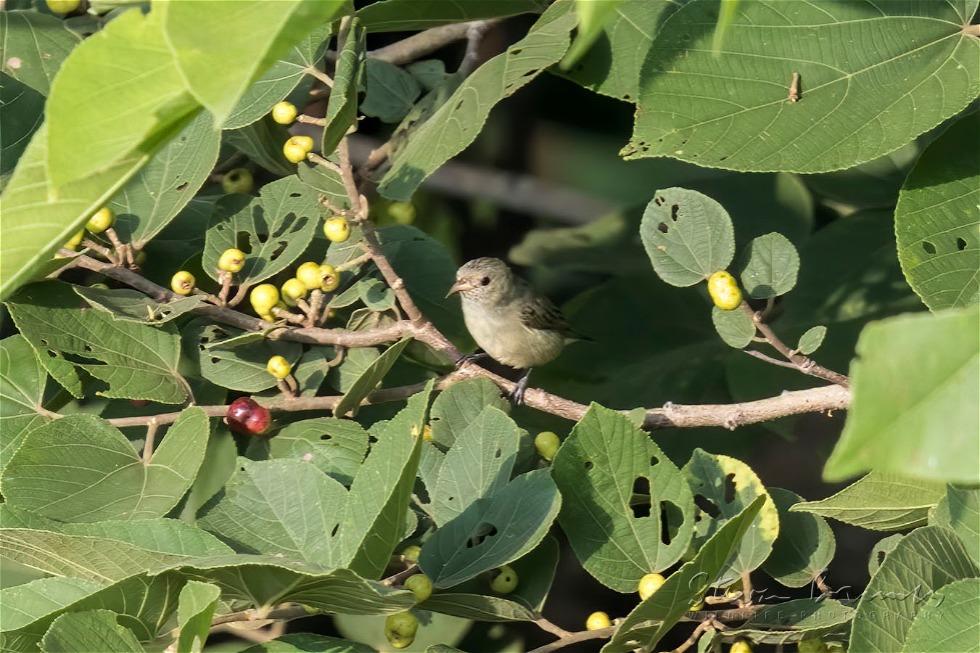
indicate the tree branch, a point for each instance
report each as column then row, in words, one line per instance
column 418, row 45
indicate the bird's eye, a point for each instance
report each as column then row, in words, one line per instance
column 485, row 281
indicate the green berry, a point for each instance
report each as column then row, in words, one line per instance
column 420, row 586
column 329, row 278
column 504, row 581
column 546, row 443
column 411, row 553
column 403, row 624
column 63, row 6
column 309, row 275
column 811, row 645
column 238, row 180
column 76, row 240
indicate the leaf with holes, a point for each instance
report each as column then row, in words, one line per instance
column 788, row 622
column 862, row 94
column 456, row 123
column 879, row 501
column 592, row 18
column 237, row 368
column 273, row 229
column 736, row 327
column 334, row 446
column 390, row 91
column 22, row 381
column 370, row 378
column 960, row 511
column 915, row 383
column 880, row 550
column 684, row 587
column 83, row 632
column 722, row 486
column 347, row 80
column 626, row 509
column 805, row 544
column 811, row 340
column 61, row 469
column 134, row 306
column 948, row 621
column 136, row 361
column 492, row 531
column 478, row 464
column 926, row 560
column 936, row 223
column 163, row 187
column 34, row 45
column 687, row 235
column 195, row 607
column 459, row 404
column 771, row 266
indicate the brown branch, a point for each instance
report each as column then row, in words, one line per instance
column 419, row 45
column 548, row 626
column 693, row 639
column 575, row 638
column 400, row 577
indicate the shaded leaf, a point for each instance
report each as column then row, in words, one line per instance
column 23, row 113
column 262, row 141
column 370, row 378
column 237, row 368
column 407, row 15
column 735, row 327
column 772, row 264
column 880, row 550
column 306, row 642
column 84, row 632
column 592, row 17
column 791, row 621
column 960, row 511
column 948, row 621
column 811, row 340
column 805, row 544
column 342, row 103
column 22, row 381
column 459, row 404
column 390, row 91
column 134, row 306
column 39, row 41
column 334, row 446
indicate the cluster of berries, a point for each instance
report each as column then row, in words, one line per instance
column 98, row 223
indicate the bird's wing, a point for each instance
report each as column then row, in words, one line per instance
column 538, row 312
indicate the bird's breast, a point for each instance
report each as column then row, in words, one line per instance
column 502, row 334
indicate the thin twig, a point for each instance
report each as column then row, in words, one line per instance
column 769, row 359
column 693, row 639
column 419, row 45
column 553, row 628
column 575, row 638
column 151, row 434
column 104, row 251
column 398, row 578
column 225, row 277
column 320, row 161
column 311, row 120
column 313, row 71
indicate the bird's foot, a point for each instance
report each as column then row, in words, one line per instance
column 470, row 358
column 517, row 394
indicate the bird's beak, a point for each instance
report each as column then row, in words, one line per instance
column 459, row 286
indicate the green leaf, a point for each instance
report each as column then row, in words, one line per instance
column 148, row 109
column 811, row 340
column 220, row 459
column 23, row 113
column 84, row 632
column 926, row 560
column 136, row 361
column 592, row 18
column 22, row 381
column 390, row 91
column 688, row 236
column 620, row 493
column 858, row 101
column 347, row 81
column 327, row 182
column 430, row 73
column 164, row 186
column 459, row 404
column 493, row 531
column 409, row 15
column 369, row 379
column 280, row 80
column 40, row 42
column 195, row 607
column 478, row 464
column 960, row 511
column 241, row 40
column 936, row 222
column 684, row 587
column 134, row 306
column 334, row 446
column 262, row 141
column 237, row 368
column 729, row 485
column 783, row 623
column 735, row 327
column 772, row 264
column 273, row 229
column 879, row 501
column 375, row 294
column 880, row 550
column 306, row 642
column 915, row 382
column 948, row 621
column 165, row 536
column 805, row 544
column 457, row 123
column 81, row 469
column 25, row 603
column 470, row 600
column 281, row 507
column 382, row 489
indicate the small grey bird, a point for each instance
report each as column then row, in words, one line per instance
column 508, row 319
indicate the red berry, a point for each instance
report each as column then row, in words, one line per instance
column 248, row 417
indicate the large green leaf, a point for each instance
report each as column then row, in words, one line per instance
column 863, row 93
column 621, row 494
column 771, row 266
column 240, row 39
column 916, row 380
column 683, row 588
column 879, row 501
column 334, row 446
column 273, row 229
column 390, row 91
column 22, row 604
column 261, row 142
column 158, row 192
column 132, row 305
column 81, row 469
column 407, row 15
column 459, row 404
column 805, row 544
column 84, row 632
column 936, row 219
column 22, row 115
column 236, row 368
column 368, row 380
column 22, row 381
column 195, row 607
column 960, row 511
column 39, row 42
column 342, row 103
column 136, row 361
column 306, row 642
column 730, row 485
column 948, row 621
column 782, row 623
column 457, row 122
column 924, row 561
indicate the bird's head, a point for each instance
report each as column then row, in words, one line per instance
column 484, row 280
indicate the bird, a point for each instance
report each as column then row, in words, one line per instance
column 509, row 321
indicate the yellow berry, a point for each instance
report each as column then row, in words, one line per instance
column 740, row 646
column 264, row 297
column 101, row 221
column 63, row 6
column 546, row 443
column 284, row 112
column 292, row 290
column 336, row 229
column 811, row 645
column 231, row 260
column 411, row 552
column 294, row 153
column 420, row 586
column 597, row 621
column 268, row 317
column 76, row 240
column 505, row 580
column 305, row 142
column 649, row 584
column 238, row 180
column 329, row 278
column 278, row 367
column 309, row 275
column 182, row 282
column 724, row 291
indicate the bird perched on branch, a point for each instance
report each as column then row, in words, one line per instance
column 509, row 321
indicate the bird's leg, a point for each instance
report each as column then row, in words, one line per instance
column 517, row 396
column 471, row 358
